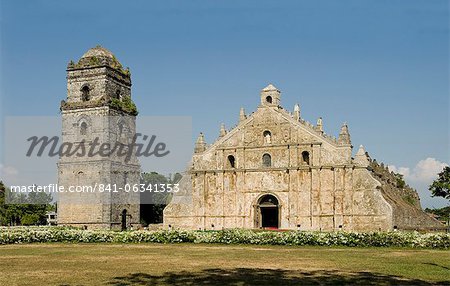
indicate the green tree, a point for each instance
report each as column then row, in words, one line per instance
column 441, row 186
column 3, row 215
column 441, row 212
column 400, row 181
column 30, row 219
column 23, row 209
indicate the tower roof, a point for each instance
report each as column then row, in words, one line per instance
column 270, row 87
column 98, row 56
column 99, row 52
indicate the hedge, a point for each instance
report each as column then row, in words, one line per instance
column 234, row 236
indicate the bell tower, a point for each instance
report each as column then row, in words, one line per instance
column 98, row 112
column 270, row 96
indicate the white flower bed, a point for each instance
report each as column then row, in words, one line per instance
column 236, row 236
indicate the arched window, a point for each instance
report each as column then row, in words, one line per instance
column 231, row 161
column 269, row 99
column 267, row 136
column 266, row 160
column 83, row 128
column 305, row 157
column 85, row 96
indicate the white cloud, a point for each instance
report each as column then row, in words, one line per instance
column 7, row 173
column 425, row 171
column 400, row 170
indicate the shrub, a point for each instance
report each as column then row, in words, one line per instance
column 126, row 104
column 30, row 219
column 233, row 236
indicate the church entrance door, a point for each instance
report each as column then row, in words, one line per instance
column 268, row 212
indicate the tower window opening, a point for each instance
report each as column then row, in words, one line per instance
column 231, row 161
column 83, row 128
column 267, row 160
column 125, row 178
column 267, row 136
column 269, row 99
column 305, row 157
column 85, row 96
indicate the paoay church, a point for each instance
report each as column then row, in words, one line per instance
column 276, row 170
column 273, row 170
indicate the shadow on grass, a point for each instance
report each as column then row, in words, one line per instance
column 250, row 276
column 437, row 265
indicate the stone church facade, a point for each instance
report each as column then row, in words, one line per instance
column 98, row 107
column 276, row 170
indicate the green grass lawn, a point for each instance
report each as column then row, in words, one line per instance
column 199, row 264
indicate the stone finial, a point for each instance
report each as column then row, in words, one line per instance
column 344, row 135
column 242, row 115
column 296, row 112
column 200, row 144
column 361, row 157
column 223, row 131
column 319, row 125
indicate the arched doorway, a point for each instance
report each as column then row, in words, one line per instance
column 268, row 212
column 124, row 219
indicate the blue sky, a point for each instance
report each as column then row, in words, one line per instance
column 381, row 66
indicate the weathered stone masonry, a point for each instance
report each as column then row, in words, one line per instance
column 98, row 105
column 276, row 170
column 273, row 170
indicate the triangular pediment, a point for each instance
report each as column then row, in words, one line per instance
column 277, row 122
